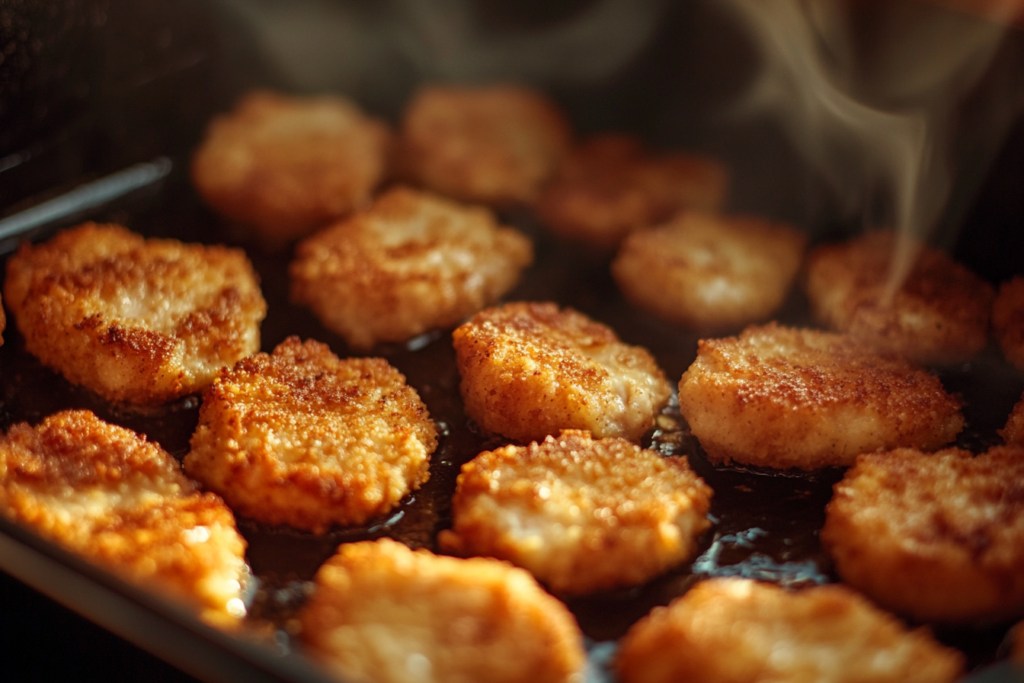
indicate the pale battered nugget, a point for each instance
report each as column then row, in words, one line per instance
column 286, row 166
column 384, row 613
column 1013, row 432
column 581, row 515
column 136, row 321
column 939, row 537
column 610, row 186
column 783, row 397
column 733, row 630
column 530, row 370
column 496, row 144
column 302, row 438
column 1008, row 320
column 938, row 315
column 410, row 263
column 710, row 272
column 106, row 493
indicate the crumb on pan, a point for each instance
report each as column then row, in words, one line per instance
column 1008, row 320
column 384, row 613
column 137, row 321
column 1013, row 432
column 299, row 437
column 410, row 263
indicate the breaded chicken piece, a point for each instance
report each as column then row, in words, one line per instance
column 710, row 272
column 302, row 438
column 783, row 397
column 531, row 369
column 410, row 263
column 136, row 321
column 610, row 186
column 384, row 613
column 1008, row 320
column 1013, row 432
column 106, row 493
column 732, row 630
column 581, row 515
column 495, row 145
column 938, row 537
column 939, row 314
column 285, row 166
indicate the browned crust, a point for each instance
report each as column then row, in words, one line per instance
column 1013, row 432
column 1008, row 320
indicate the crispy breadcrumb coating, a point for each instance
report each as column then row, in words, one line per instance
column 384, row 613
column 302, row 438
column 134, row 320
column 938, row 315
column 532, row 369
column 732, row 630
column 1008, row 320
column 581, row 515
column 1013, row 432
column 710, row 272
column 106, row 493
column 410, row 263
column 939, row 537
column 286, row 166
column 783, row 397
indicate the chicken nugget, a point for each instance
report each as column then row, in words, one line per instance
column 285, row 166
column 531, row 369
column 384, row 613
column 495, row 145
column 732, row 630
column 783, row 397
column 938, row 537
column 1013, row 432
column 710, row 272
column 137, row 321
column 106, row 493
column 1008, row 320
column 302, row 438
column 410, row 263
column 939, row 314
column 581, row 515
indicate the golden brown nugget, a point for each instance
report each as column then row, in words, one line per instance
column 610, row 186
column 410, row 263
column 531, row 369
column 938, row 537
column 299, row 437
column 710, row 272
column 738, row 631
column 1013, row 432
column 495, row 145
column 106, row 493
column 938, row 315
column 1008, row 320
column 384, row 613
column 581, row 515
column 286, row 166
column 136, row 321
column 783, row 397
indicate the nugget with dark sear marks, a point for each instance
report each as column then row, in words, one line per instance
column 1013, row 432
column 532, row 369
column 740, row 631
column 410, row 263
column 1008, row 320
column 384, row 613
column 106, row 493
column 302, row 438
column 581, row 515
column 782, row 397
column 134, row 320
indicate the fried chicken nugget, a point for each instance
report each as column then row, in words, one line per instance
column 384, row 613
column 531, row 369
column 1008, row 320
column 783, row 397
column 939, row 314
column 939, row 537
column 106, row 493
column 1013, row 432
column 495, row 145
column 136, row 321
column 410, row 263
column 302, row 438
column 710, row 272
column 286, row 166
column 581, row 515
column 610, row 186
column 732, row 630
